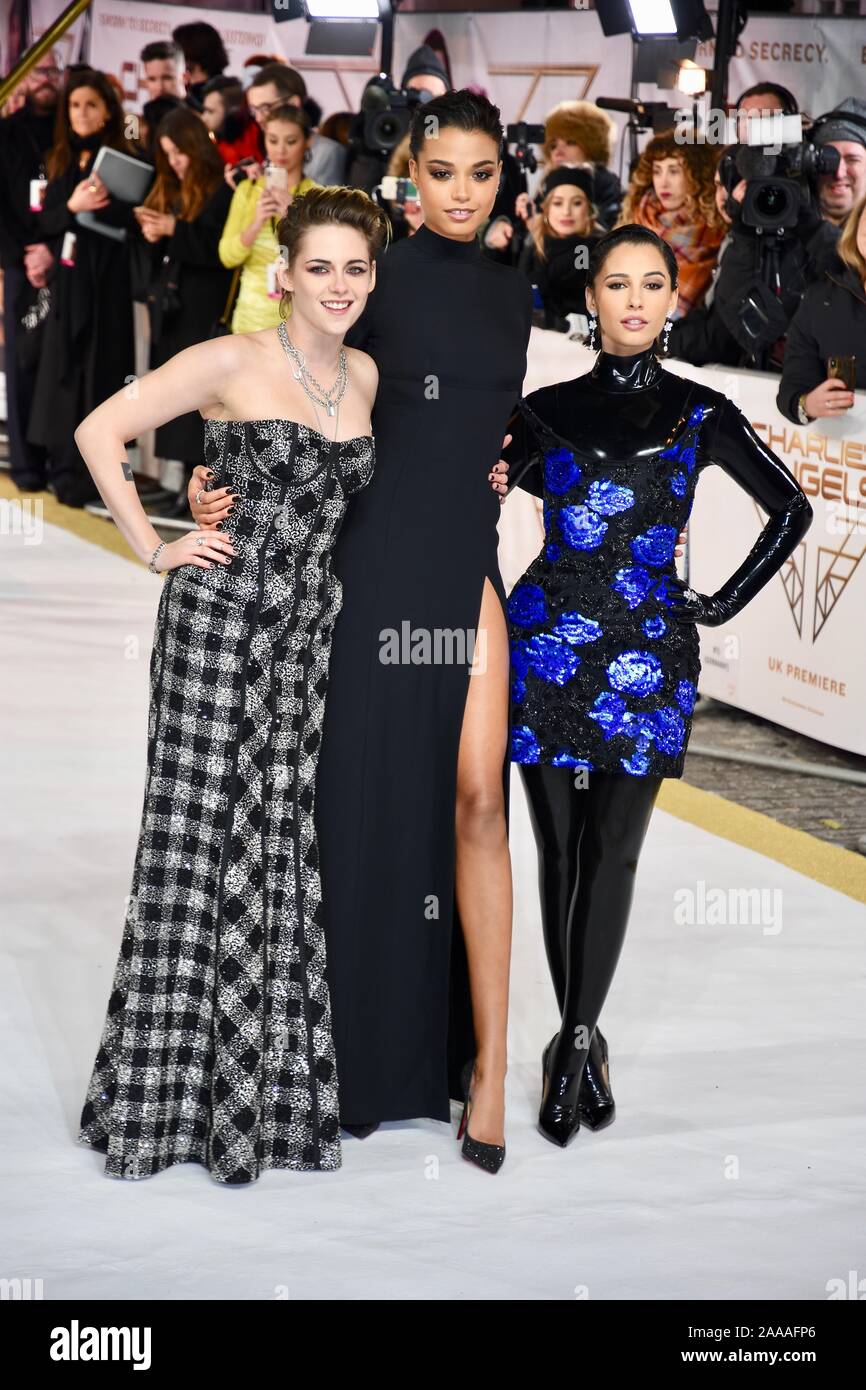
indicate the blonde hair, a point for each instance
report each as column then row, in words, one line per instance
column 849, row 252
column 539, row 225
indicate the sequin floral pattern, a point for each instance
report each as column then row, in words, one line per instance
column 602, row 676
column 217, row 1044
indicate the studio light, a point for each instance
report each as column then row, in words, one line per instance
column 652, row 17
column 342, row 9
column 685, row 19
column 691, row 79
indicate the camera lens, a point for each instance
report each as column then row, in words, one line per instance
column 771, row 200
column 387, row 130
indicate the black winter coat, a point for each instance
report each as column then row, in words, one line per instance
column 831, row 321
column 803, row 258
column 203, row 285
column 560, row 284
column 25, row 139
column 88, row 349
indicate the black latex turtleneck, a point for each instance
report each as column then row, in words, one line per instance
column 634, row 372
column 444, row 248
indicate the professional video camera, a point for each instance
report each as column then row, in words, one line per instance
column 781, row 169
column 378, row 128
column 387, row 110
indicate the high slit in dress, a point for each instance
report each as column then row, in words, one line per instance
column 448, row 329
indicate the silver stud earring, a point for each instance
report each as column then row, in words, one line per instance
column 666, row 334
column 591, row 343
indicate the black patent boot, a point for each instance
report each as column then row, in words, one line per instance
column 595, row 1098
column 559, row 1116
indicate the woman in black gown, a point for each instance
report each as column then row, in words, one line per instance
column 605, row 653
column 88, row 345
column 412, row 780
column 412, row 751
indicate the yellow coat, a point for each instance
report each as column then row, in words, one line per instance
column 253, row 309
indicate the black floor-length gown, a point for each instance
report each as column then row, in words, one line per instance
column 448, row 329
column 217, row 1045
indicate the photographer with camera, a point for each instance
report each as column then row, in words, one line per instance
column 780, row 242
column 825, row 354
column 845, row 130
column 383, row 121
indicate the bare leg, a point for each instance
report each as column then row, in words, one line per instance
column 483, row 865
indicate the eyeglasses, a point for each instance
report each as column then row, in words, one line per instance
column 262, row 110
column 48, row 71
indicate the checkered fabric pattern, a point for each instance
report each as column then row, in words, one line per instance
column 217, row 1044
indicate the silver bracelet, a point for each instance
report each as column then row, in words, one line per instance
column 152, row 561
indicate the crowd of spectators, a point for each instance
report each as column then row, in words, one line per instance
column 227, row 156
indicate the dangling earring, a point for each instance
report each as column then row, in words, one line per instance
column 666, row 335
column 591, row 343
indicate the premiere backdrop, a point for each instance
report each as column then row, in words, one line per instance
column 526, row 61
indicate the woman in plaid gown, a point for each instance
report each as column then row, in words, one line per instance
column 217, row 1044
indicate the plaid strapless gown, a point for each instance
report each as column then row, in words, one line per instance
column 217, row 1044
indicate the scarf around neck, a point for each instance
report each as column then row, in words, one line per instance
column 693, row 241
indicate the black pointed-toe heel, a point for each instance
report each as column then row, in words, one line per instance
column 361, row 1131
column 595, row 1098
column 490, row 1157
column 559, row 1115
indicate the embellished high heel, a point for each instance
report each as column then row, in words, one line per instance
column 559, row 1115
column 490, row 1157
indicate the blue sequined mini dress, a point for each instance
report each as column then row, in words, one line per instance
column 603, row 677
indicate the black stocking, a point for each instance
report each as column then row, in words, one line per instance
column 589, row 840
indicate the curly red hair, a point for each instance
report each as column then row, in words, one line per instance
column 699, row 166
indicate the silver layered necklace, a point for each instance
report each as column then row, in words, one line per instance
column 314, row 389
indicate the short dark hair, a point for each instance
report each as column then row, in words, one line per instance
column 463, row 110
column 163, row 50
column 231, row 89
column 202, row 45
column 772, row 89
column 288, row 81
column 629, row 234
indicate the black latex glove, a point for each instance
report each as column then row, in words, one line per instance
column 737, row 449
column 688, row 606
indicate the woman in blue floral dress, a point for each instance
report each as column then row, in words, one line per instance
column 604, row 648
